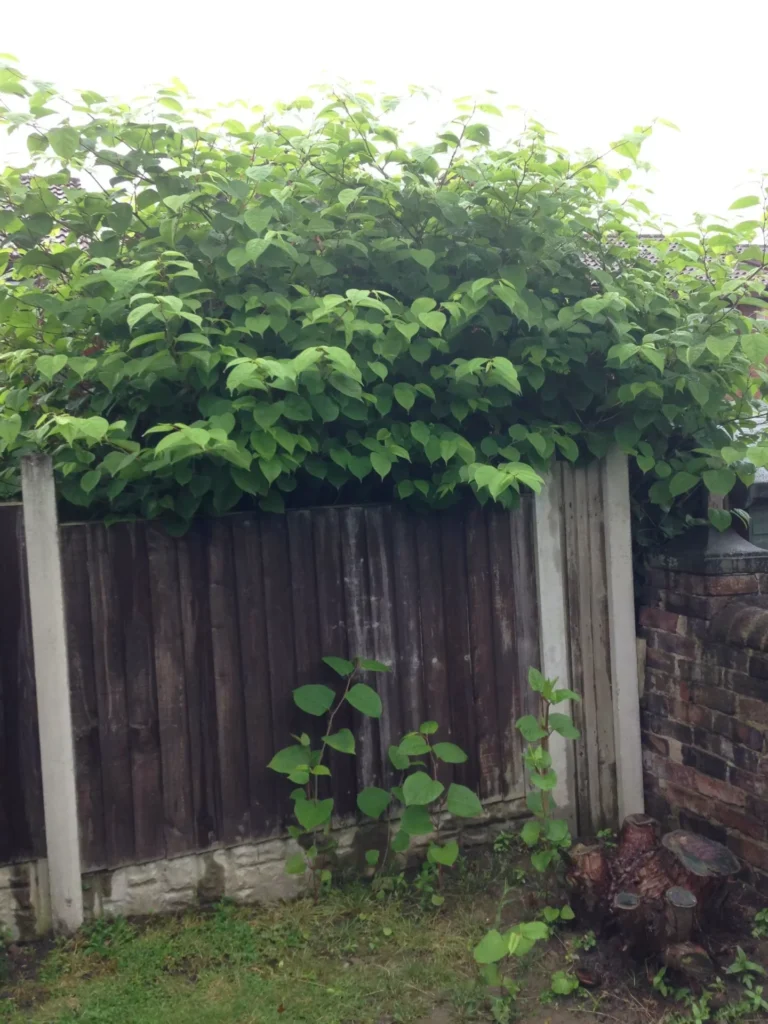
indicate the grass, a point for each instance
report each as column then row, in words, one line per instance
column 352, row 957
column 348, row 958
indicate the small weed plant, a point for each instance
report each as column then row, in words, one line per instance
column 414, row 807
column 545, row 835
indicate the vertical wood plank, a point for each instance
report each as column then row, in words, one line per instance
column 438, row 703
column 254, row 652
column 504, row 642
column 192, row 551
column 333, row 641
column 483, row 656
column 179, row 821
column 128, row 555
column 230, row 707
column 525, row 598
column 83, row 699
column 381, row 568
column 605, row 788
column 357, row 603
column 109, row 673
column 306, row 634
column 458, row 655
column 410, row 668
column 20, row 781
column 621, row 605
column 279, row 622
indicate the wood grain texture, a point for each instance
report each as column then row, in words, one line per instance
column 227, row 679
column 192, row 554
column 254, row 654
column 128, row 556
column 173, row 723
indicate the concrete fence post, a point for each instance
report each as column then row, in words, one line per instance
column 621, row 627
column 49, row 642
column 553, row 628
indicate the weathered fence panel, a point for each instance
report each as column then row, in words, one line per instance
column 22, row 830
column 184, row 652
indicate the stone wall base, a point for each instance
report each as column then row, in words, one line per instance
column 250, row 873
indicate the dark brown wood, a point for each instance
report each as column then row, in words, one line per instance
column 701, row 865
column 192, row 551
column 458, row 656
column 128, row 556
column 589, row 878
column 230, row 707
column 523, row 566
column 279, row 624
column 111, row 697
column 483, row 658
column 505, row 652
column 333, row 641
column 178, row 818
column 254, row 653
column 20, row 777
column 306, row 630
column 437, row 697
column 410, row 668
column 83, row 701
column 354, row 558
column 680, row 910
column 381, row 571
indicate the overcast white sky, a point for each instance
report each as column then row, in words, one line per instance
column 590, row 70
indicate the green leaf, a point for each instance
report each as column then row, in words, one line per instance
column 566, row 913
column 339, row 665
column 449, row 753
column 541, row 859
column 563, row 724
column 544, row 780
column 348, row 196
column 289, row 759
column 537, row 931
column 416, row 821
column 369, row 665
column 420, row 789
column 719, row 481
column 49, row 366
column 530, row 728
column 399, row 760
column 372, row 857
column 423, row 256
column 89, row 480
column 434, row 321
column 682, row 482
column 343, row 741
column 402, row 840
column 314, row 699
column 447, row 854
column 373, row 801
column 530, row 833
column 313, row 813
column 405, row 395
column 560, row 695
column 557, row 830
column 381, row 463
column 462, row 802
column 413, row 745
column 744, row 202
column 491, row 948
column 64, row 141
column 719, row 518
column 258, row 217
column 428, row 728
column 365, row 700
column 296, row 864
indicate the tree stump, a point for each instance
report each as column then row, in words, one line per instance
column 590, row 880
column 700, row 865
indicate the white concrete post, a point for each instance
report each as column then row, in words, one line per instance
column 553, row 629
column 621, row 620
column 49, row 641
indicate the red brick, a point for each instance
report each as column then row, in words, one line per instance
column 720, row 586
column 756, row 711
column 695, row 606
column 661, row 660
column 737, row 820
column 662, row 682
column 726, row 656
column 683, row 798
column 692, row 714
column 683, row 646
column 757, row 785
column 657, row 744
column 713, row 697
column 658, row 578
column 657, row 618
column 691, row 671
column 752, row 852
column 717, row 789
column 676, row 774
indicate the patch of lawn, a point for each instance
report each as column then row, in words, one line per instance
column 348, row 959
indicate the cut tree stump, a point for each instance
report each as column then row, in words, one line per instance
column 700, row 865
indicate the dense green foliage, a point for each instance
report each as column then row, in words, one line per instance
column 209, row 314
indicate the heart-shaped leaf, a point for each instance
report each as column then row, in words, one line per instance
column 420, row 789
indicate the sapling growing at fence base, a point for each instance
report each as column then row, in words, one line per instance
column 415, row 806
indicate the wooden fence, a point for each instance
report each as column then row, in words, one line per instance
column 183, row 653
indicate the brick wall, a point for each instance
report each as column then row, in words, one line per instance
column 705, row 701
